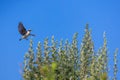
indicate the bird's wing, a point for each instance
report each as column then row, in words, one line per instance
column 21, row 29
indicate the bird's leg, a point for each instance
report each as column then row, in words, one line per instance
column 26, row 38
column 20, row 39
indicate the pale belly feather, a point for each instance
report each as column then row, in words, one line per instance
column 26, row 35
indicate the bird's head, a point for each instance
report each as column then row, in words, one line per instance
column 29, row 30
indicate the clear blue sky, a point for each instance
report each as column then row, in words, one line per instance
column 61, row 18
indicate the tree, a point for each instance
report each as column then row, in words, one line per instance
column 66, row 61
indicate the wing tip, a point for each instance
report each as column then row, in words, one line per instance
column 20, row 22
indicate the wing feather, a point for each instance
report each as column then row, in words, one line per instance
column 21, row 29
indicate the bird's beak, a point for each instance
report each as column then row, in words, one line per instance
column 29, row 30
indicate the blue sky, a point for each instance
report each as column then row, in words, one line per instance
column 61, row 18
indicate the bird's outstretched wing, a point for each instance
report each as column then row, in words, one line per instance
column 21, row 29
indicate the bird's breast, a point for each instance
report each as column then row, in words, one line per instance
column 26, row 35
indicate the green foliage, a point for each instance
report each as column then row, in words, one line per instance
column 86, row 53
column 115, row 64
column 66, row 61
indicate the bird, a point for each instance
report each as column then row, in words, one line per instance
column 25, row 33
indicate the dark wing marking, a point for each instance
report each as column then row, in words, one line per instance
column 21, row 29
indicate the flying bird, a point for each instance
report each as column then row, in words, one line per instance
column 25, row 33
